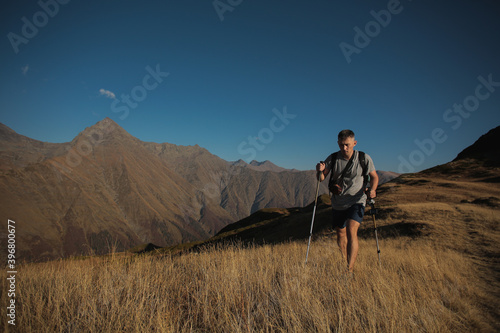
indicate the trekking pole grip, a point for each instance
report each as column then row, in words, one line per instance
column 318, row 173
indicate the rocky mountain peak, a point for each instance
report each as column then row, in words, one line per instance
column 485, row 148
column 105, row 131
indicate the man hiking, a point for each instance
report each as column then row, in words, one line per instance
column 348, row 183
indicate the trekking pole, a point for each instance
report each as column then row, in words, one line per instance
column 312, row 222
column 373, row 211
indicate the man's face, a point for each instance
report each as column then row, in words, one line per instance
column 347, row 146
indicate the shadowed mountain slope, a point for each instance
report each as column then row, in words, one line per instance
column 486, row 148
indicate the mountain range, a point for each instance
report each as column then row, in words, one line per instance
column 107, row 190
column 456, row 204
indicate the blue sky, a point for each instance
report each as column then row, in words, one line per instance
column 417, row 81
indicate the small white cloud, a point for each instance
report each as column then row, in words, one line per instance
column 25, row 69
column 107, row 93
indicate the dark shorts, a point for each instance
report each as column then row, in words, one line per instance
column 340, row 217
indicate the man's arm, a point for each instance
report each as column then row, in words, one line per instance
column 373, row 184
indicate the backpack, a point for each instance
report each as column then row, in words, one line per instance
column 364, row 166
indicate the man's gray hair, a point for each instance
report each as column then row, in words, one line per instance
column 344, row 134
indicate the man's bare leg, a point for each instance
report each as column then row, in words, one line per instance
column 351, row 229
column 342, row 241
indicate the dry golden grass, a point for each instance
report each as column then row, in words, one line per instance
column 419, row 288
column 443, row 278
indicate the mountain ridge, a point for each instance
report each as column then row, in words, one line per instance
column 108, row 188
column 23, row 150
column 485, row 148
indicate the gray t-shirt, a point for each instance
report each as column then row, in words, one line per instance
column 352, row 184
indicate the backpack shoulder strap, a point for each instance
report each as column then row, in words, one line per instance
column 364, row 165
column 332, row 164
column 334, row 157
column 362, row 161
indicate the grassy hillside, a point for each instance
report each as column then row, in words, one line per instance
column 439, row 236
column 421, row 287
